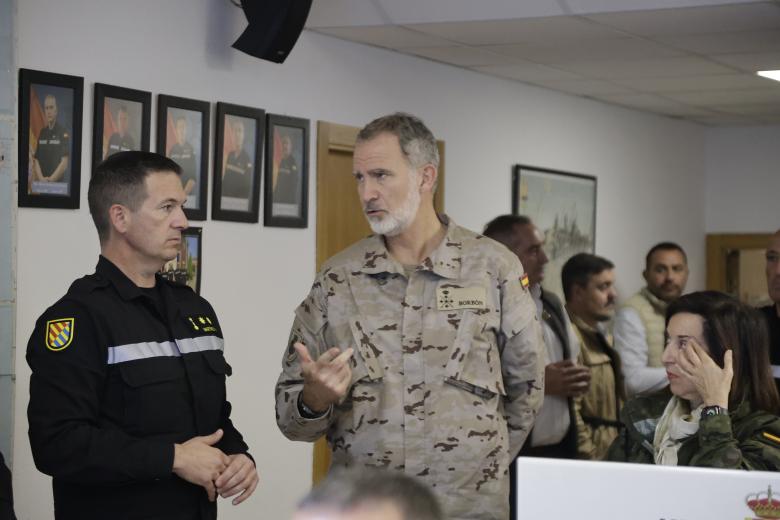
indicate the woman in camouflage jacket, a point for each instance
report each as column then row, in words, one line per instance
column 722, row 408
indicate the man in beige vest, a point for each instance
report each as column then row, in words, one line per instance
column 639, row 324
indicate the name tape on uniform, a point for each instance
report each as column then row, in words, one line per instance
column 451, row 298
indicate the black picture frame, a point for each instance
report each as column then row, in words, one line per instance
column 286, row 201
column 62, row 95
column 562, row 205
column 186, row 268
column 177, row 116
column 117, row 107
column 236, row 188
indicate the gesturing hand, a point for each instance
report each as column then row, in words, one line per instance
column 712, row 382
column 566, row 379
column 197, row 461
column 326, row 380
column 239, row 477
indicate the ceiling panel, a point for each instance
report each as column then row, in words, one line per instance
column 718, row 43
column 750, row 62
column 727, row 97
column 658, row 68
column 583, row 87
column 528, row 72
column 463, row 56
column 562, row 51
column 390, row 36
column 727, row 18
column 703, row 82
column 501, row 32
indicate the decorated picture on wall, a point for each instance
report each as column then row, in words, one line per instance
column 286, row 172
column 563, row 207
column 237, row 158
column 186, row 267
column 183, row 135
column 50, row 111
column 122, row 121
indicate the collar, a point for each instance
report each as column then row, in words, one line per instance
column 584, row 327
column 658, row 304
column 445, row 261
column 126, row 288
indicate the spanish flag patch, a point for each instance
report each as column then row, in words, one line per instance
column 524, row 281
column 59, row 333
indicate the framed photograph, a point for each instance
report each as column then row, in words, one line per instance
column 122, row 121
column 237, row 159
column 50, row 112
column 183, row 135
column 563, row 207
column 186, row 267
column 286, row 171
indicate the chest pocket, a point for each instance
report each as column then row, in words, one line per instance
column 156, row 396
column 475, row 363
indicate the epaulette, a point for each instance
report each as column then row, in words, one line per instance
column 774, row 439
column 87, row 284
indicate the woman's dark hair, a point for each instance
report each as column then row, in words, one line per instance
column 730, row 324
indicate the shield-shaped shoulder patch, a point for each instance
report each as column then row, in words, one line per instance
column 59, row 333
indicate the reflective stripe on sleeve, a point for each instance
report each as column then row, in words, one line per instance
column 151, row 349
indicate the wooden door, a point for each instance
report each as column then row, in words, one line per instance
column 340, row 219
column 735, row 265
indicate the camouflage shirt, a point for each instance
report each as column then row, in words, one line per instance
column 743, row 439
column 448, row 368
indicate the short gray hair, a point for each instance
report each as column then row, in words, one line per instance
column 417, row 142
column 347, row 489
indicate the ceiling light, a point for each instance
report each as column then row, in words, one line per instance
column 771, row 74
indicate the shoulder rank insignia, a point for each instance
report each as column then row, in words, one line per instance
column 201, row 324
column 524, row 281
column 59, row 333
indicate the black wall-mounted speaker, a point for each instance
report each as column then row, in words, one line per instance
column 274, row 27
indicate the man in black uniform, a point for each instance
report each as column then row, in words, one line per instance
column 52, row 152
column 121, row 140
column 127, row 408
column 237, row 178
column 288, row 176
column 772, row 312
column 184, row 154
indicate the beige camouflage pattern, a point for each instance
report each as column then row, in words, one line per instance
column 448, row 396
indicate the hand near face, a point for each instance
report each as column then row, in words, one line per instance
column 326, row 380
column 711, row 382
column 566, row 379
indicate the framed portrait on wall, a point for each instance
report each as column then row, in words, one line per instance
column 122, row 121
column 237, row 158
column 286, row 171
column 183, row 135
column 186, row 267
column 563, row 207
column 50, row 112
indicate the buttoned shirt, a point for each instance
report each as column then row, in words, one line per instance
column 447, row 373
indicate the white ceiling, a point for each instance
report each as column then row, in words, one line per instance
column 689, row 59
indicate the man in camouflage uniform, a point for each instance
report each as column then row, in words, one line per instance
column 423, row 353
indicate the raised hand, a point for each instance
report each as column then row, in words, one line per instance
column 325, row 381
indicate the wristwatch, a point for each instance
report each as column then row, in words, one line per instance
column 306, row 412
column 709, row 411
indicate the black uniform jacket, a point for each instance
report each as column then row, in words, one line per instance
column 117, row 379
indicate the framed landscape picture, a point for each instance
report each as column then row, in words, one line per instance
column 186, row 267
column 50, row 113
column 563, row 207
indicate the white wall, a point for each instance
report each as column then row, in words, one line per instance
column 743, row 179
column 650, row 176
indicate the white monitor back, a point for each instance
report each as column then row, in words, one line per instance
column 552, row 488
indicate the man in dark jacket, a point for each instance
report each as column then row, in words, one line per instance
column 127, row 395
